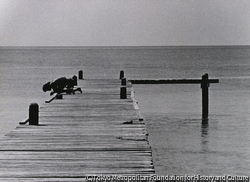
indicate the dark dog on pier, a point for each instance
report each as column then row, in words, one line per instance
column 61, row 85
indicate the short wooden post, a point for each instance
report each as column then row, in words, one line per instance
column 205, row 96
column 80, row 75
column 75, row 80
column 124, row 81
column 123, row 93
column 121, row 74
column 33, row 114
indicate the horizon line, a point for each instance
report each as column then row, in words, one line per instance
column 13, row 46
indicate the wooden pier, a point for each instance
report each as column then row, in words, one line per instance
column 78, row 136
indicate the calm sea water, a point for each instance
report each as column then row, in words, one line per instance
column 181, row 144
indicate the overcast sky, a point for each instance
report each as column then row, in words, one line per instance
column 124, row 22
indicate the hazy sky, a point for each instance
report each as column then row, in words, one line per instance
column 124, row 22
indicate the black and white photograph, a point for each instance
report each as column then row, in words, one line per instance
column 125, row 90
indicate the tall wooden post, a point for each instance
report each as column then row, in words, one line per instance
column 123, row 82
column 123, row 93
column 33, row 114
column 205, row 96
column 121, row 74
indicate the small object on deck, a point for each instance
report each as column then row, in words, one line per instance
column 33, row 114
column 123, row 93
column 128, row 122
column 59, row 96
column 124, row 81
column 75, row 79
column 80, row 75
column 48, row 101
column 121, row 74
column 140, row 119
column 24, row 122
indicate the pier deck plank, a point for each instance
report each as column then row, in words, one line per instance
column 82, row 134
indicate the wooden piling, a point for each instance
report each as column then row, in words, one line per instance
column 121, row 74
column 123, row 93
column 33, row 114
column 205, row 96
column 80, row 75
column 123, row 81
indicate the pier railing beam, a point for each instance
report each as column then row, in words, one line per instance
column 33, row 114
column 205, row 96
